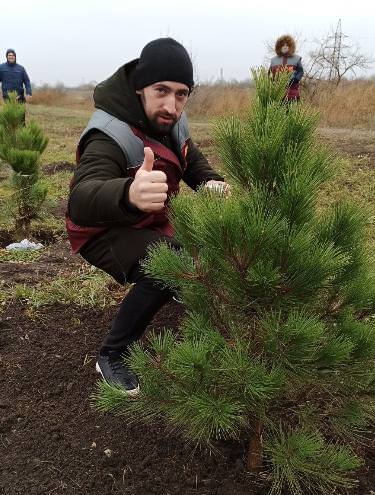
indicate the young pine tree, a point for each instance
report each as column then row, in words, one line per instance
column 21, row 146
column 278, row 342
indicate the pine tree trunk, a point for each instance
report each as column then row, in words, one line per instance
column 22, row 229
column 255, row 452
column 24, row 213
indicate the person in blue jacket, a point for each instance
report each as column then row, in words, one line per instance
column 13, row 77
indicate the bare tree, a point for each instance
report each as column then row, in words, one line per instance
column 335, row 57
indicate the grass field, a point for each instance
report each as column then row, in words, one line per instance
column 354, row 180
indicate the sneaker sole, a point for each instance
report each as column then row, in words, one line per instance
column 131, row 393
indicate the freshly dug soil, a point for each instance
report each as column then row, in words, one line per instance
column 53, row 442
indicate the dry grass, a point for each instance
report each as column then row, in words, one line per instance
column 352, row 104
column 63, row 97
column 209, row 101
column 63, row 126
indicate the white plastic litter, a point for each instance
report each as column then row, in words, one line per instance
column 218, row 187
column 24, row 245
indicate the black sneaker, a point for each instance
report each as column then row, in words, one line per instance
column 114, row 371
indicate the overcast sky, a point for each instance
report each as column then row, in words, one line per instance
column 80, row 41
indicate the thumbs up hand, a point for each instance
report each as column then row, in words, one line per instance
column 148, row 191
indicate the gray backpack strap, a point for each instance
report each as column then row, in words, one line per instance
column 131, row 145
column 180, row 131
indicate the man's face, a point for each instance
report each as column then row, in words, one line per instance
column 11, row 58
column 163, row 103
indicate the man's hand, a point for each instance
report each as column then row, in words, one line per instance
column 148, row 191
column 28, row 98
column 218, row 186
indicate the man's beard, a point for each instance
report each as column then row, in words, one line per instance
column 162, row 128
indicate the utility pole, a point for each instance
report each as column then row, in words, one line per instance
column 336, row 48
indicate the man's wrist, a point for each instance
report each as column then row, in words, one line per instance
column 126, row 199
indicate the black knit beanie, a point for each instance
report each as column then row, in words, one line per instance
column 10, row 50
column 163, row 59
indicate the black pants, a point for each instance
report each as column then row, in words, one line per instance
column 114, row 253
column 136, row 311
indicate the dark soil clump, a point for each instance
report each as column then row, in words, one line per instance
column 53, row 442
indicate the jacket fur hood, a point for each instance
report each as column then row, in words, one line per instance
column 289, row 40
